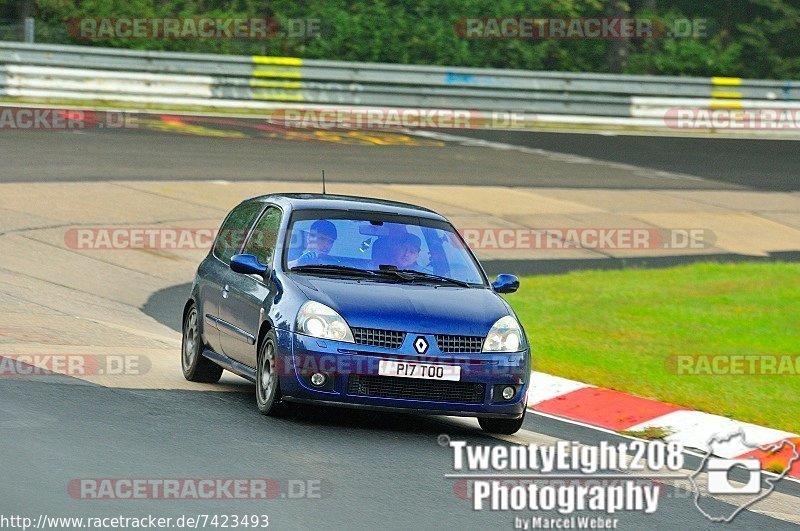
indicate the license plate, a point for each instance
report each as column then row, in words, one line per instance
column 426, row 371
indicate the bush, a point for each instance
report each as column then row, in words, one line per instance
column 748, row 38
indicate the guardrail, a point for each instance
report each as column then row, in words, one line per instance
column 72, row 73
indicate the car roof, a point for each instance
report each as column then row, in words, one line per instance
column 346, row 202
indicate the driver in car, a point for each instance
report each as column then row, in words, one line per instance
column 319, row 241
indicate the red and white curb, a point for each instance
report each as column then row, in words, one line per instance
column 618, row 411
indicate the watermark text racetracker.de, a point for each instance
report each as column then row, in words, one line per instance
column 164, row 238
column 609, row 479
column 734, row 364
column 486, row 239
column 75, row 365
column 191, row 28
column 194, row 489
column 383, row 118
column 762, row 119
column 583, row 28
column 61, row 119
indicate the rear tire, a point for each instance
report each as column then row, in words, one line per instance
column 268, row 385
column 502, row 426
column 196, row 367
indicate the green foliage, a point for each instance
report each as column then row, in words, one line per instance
column 748, row 38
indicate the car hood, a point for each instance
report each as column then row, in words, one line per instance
column 408, row 307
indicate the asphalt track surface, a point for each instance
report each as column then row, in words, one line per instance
column 130, row 155
column 762, row 164
column 114, row 154
column 375, row 469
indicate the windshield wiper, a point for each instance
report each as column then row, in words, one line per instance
column 332, row 268
column 413, row 274
column 405, row 274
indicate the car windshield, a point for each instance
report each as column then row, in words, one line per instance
column 373, row 242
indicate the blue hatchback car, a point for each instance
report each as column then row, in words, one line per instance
column 356, row 302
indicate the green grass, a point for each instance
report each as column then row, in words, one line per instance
column 618, row 329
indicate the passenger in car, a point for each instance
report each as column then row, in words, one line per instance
column 400, row 251
column 406, row 251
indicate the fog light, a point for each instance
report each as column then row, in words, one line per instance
column 508, row 392
column 318, row 379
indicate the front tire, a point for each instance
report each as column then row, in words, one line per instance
column 196, row 367
column 502, row 426
column 268, row 386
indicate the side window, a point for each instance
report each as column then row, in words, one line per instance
column 265, row 235
column 234, row 229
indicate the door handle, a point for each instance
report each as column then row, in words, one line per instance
column 225, row 291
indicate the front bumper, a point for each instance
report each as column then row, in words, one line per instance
column 352, row 377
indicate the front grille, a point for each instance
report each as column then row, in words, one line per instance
column 378, row 338
column 415, row 389
column 459, row 343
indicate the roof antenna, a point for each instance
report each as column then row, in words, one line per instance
column 323, row 182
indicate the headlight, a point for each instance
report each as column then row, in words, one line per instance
column 317, row 320
column 504, row 336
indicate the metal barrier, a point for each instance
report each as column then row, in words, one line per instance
column 80, row 73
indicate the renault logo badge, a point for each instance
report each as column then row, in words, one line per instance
column 421, row 345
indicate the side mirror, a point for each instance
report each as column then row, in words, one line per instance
column 247, row 264
column 505, row 284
